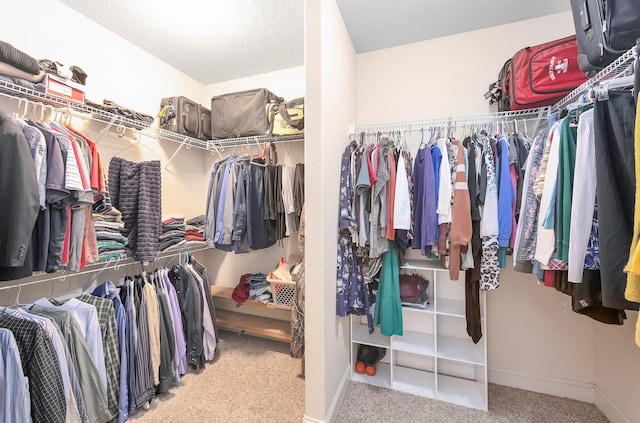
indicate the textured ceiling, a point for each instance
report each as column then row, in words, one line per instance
column 377, row 24
column 215, row 40
column 209, row 40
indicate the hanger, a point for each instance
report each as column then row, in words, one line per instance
column 261, row 155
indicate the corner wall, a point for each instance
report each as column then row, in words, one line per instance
column 330, row 108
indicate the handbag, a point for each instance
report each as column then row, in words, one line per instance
column 286, row 118
column 414, row 291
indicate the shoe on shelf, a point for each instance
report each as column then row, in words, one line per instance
column 361, row 357
column 374, row 355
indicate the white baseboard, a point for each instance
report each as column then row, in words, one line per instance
column 580, row 391
column 607, row 407
column 332, row 413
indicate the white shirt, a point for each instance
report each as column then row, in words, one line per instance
column 444, row 189
column 401, row 202
column 583, row 199
column 86, row 316
column 546, row 239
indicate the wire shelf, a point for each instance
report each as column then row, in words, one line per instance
column 453, row 121
column 87, row 112
column 619, row 67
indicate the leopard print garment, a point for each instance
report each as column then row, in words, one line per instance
column 489, row 266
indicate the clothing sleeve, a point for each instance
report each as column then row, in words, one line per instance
column 20, row 198
column 583, row 197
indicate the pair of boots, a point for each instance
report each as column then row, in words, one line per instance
column 367, row 358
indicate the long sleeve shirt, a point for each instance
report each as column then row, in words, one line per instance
column 545, row 243
column 583, row 197
column 109, row 291
column 506, row 196
column 14, row 393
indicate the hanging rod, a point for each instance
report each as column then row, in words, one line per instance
column 236, row 142
column 618, row 68
column 98, row 267
column 452, row 121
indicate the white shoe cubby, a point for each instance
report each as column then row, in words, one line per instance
column 435, row 357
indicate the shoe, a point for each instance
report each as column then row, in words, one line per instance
column 374, row 355
column 361, row 357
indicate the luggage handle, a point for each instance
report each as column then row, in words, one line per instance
column 298, row 123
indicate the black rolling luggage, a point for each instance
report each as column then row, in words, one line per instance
column 185, row 117
column 605, row 29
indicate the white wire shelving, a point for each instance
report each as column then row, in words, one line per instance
column 87, row 112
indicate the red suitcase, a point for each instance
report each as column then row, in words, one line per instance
column 543, row 74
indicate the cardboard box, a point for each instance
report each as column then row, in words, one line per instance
column 64, row 88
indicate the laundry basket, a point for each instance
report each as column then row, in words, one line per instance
column 282, row 292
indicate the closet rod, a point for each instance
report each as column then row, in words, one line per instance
column 99, row 267
column 618, row 68
column 527, row 114
column 238, row 142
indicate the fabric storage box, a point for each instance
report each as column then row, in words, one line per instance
column 65, row 88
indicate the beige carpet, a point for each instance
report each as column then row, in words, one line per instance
column 251, row 380
column 254, row 380
column 506, row 405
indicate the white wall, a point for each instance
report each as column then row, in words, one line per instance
column 119, row 71
column 535, row 341
column 445, row 76
column 617, row 370
column 116, row 69
column 287, row 83
column 330, row 107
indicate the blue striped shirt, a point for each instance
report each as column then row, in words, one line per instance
column 14, row 394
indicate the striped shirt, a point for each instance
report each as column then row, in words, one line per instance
column 108, row 328
column 583, row 196
column 144, row 370
column 45, row 378
column 14, row 394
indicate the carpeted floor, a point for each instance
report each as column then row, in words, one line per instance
column 251, row 380
column 506, row 405
column 255, row 380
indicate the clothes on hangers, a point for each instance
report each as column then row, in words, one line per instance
column 389, row 201
column 251, row 205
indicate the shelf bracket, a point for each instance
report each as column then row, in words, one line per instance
column 106, row 129
column 177, row 151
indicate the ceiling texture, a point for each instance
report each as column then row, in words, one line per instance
column 215, row 40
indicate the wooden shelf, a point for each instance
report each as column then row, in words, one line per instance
column 280, row 330
column 265, row 327
column 223, row 294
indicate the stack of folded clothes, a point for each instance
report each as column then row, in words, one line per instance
column 195, row 229
column 109, row 227
column 259, row 288
column 173, row 231
column 112, row 107
column 18, row 68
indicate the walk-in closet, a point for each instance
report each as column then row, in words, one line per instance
column 175, row 275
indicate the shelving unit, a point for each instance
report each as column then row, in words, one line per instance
column 266, row 327
column 435, row 358
column 19, row 92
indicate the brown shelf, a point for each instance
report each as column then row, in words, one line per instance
column 223, row 294
column 279, row 330
column 265, row 327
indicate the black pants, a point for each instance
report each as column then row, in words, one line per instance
column 616, row 187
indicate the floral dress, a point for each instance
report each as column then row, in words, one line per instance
column 352, row 293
